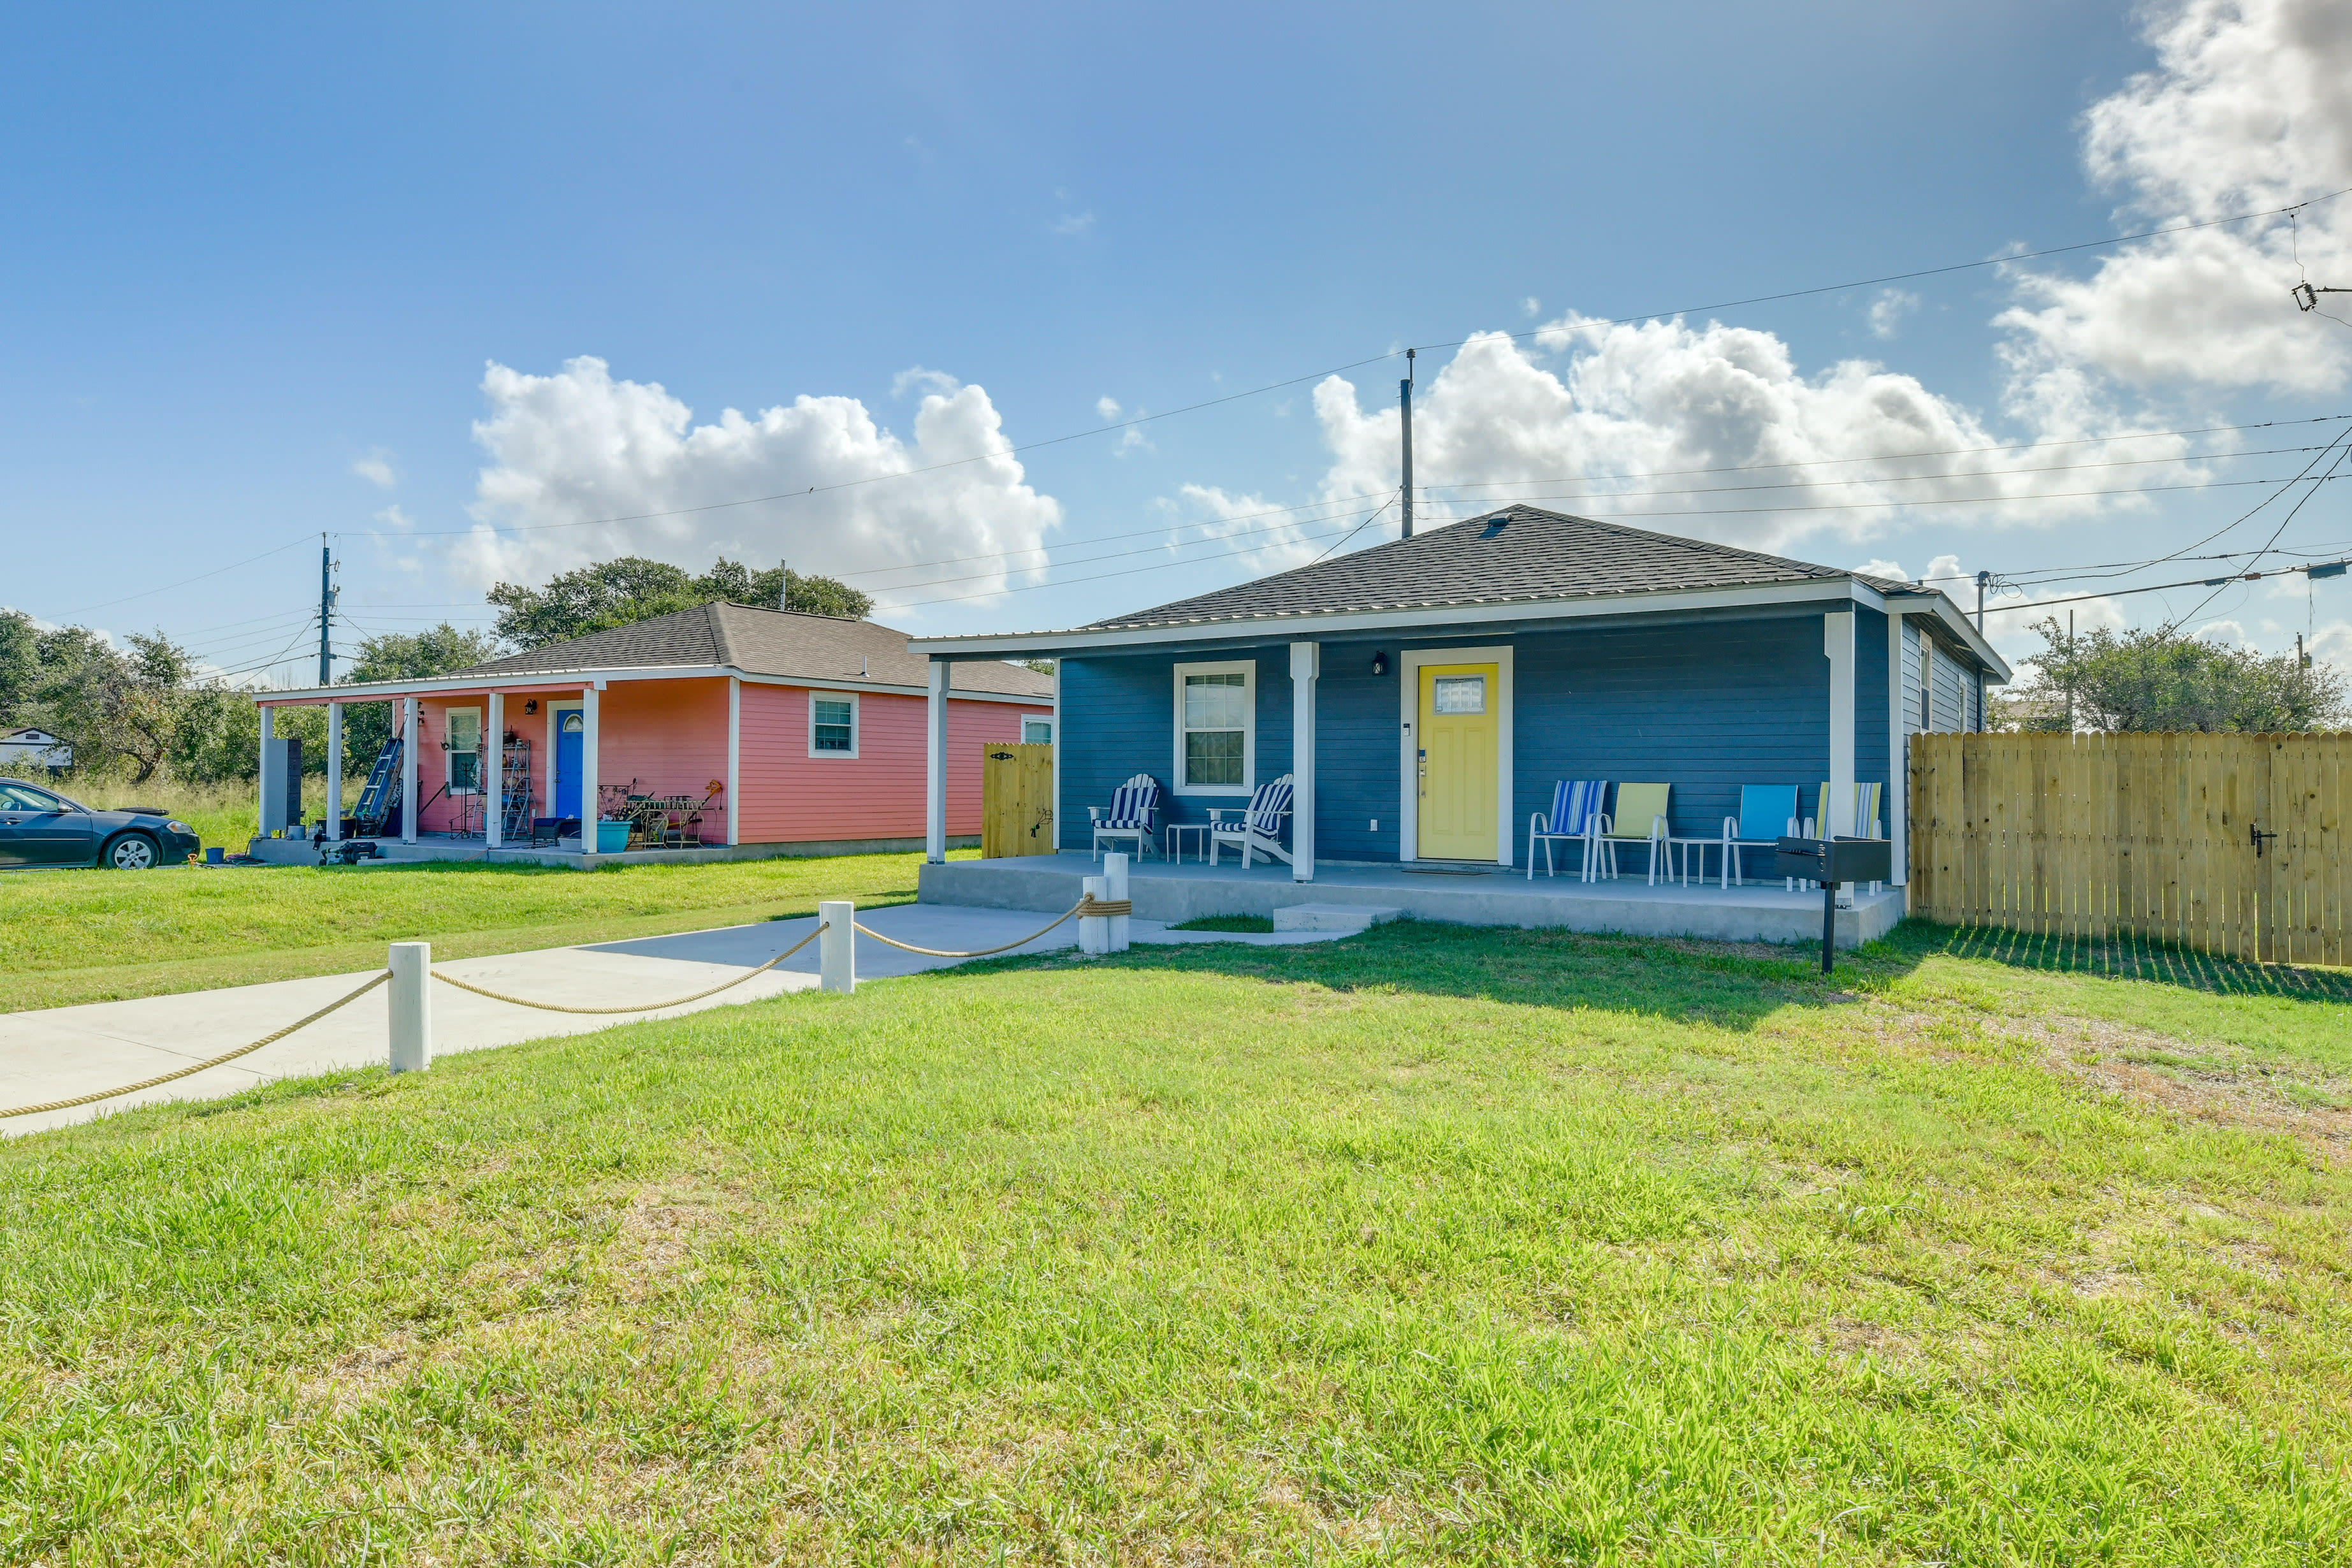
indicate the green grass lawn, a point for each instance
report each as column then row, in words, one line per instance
column 1437, row 1245
column 91, row 936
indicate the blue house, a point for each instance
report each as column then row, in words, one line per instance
column 1426, row 694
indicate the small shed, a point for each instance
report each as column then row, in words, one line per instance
column 32, row 748
column 1428, row 694
column 788, row 733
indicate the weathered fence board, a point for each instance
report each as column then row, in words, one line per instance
column 2164, row 835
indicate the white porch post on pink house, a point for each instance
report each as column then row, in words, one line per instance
column 261, row 784
column 408, row 770
column 334, row 771
column 589, row 693
column 935, row 771
column 734, row 757
column 492, row 779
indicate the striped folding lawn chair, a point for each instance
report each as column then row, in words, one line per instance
column 1575, row 802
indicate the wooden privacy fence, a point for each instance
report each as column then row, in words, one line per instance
column 1016, row 796
column 2230, row 844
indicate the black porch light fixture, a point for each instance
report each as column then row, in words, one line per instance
column 531, row 706
column 1379, row 663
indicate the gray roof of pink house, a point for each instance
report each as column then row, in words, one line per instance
column 784, row 643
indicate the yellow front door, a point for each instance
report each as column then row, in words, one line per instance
column 1460, row 742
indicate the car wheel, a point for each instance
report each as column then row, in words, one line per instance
column 133, row 852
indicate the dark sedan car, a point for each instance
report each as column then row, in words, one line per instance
column 41, row 827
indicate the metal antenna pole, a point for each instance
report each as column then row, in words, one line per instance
column 326, row 612
column 1982, row 579
column 1404, row 402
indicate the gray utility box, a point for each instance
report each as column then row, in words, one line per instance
column 1831, row 860
column 281, row 785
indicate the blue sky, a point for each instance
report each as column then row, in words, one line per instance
column 283, row 270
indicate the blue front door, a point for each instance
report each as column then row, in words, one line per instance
column 568, row 726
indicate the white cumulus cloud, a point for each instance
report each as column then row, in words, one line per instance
column 578, row 447
column 1709, row 430
column 1887, row 310
column 2249, row 108
column 376, row 468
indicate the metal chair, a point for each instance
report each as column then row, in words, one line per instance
column 1637, row 804
column 1767, row 813
column 1574, row 804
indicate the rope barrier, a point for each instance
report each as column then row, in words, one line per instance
column 642, row 1006
column 1088, row 906
column 184, row 1072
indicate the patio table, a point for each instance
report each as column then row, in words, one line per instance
column 1176, row 831
column 1679, row 850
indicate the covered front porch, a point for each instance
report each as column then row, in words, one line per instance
column 1628, row 906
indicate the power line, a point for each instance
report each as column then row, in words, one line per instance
column 1012, row 448
column 2164, row 587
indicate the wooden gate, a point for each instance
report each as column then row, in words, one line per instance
column 2230, row 844
column 1016, row 814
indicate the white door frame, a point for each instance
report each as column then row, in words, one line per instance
column 1409, row 665
column 554, row 727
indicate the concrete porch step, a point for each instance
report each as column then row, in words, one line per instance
column 1348, row 918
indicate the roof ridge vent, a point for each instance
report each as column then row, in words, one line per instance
column 1495, row 524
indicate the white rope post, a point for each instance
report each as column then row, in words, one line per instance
column 410, row 1004
column 1093, row 931
column 836, row 950
column 1114, row 890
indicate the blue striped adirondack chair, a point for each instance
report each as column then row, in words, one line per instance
column 1767, row 812
column 1574, row 804
column 1133, row 807
column 1258, row 825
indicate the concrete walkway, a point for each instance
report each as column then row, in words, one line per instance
column 59, row 1053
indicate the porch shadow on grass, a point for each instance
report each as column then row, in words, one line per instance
column 1730, row 985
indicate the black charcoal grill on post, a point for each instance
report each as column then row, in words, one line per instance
column 1829, row 861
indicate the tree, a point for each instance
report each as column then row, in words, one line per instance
column 2164, row 679
column 106, row 704
column 609, row 594
column 20, row 665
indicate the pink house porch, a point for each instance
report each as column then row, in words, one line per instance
column 721, row 731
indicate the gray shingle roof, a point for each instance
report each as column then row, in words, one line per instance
column 1519, row 553
column 765, row 642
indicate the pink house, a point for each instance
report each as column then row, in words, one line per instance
column 721, row 732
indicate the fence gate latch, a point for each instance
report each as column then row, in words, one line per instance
column 2259, row 837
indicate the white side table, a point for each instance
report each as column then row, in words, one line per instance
column 1176, row 831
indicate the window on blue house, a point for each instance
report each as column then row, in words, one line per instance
column 1215, row 728
column 833, row 725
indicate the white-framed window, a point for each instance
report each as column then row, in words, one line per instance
column 1216, row 728
column 1037, row 730
column 462, row 743
column 833, row 724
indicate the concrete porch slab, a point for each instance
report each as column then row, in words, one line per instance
column 1628, row 906
column 428, row 847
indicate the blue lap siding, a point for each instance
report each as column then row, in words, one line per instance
column 1706, row 706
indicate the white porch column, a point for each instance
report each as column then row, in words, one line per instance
column 935, row 773
column 734, row 759
column 408, row 770
column 1898, row 753
column 1838, row 643
column 265, row 774
column 588, row 738
column 493, row 780
column 334, row 771
column 1306, row 664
